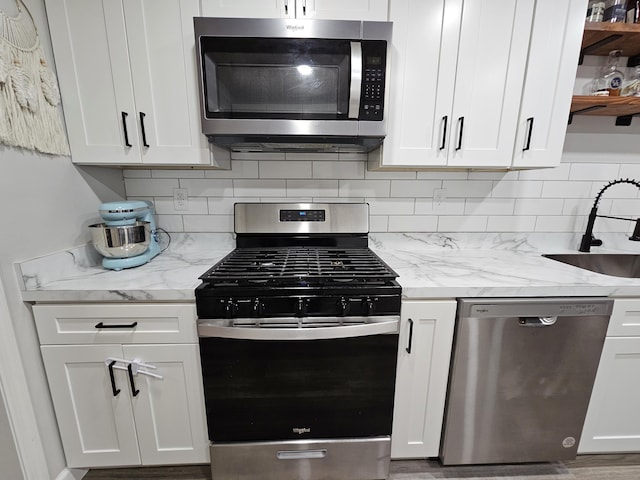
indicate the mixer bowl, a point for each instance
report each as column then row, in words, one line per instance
column 121, row 241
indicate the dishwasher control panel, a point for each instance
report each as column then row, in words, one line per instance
column 535, row 307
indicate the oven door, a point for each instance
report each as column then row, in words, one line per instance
column 266, row 384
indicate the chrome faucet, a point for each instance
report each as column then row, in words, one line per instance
column 588, row 240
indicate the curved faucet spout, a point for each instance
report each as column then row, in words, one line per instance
column 588, row 239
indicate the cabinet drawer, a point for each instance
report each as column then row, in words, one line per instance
column 625, row 318
column 116, row 323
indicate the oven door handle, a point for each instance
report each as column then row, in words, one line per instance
column 221, row 329
column 355, row 88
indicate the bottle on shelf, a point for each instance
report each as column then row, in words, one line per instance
column 615, row 11
column 595, row 11
column 611, row 77
column 631, row 88
column 633, row 11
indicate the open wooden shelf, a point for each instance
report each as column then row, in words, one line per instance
column 622, row 107
column 602, row 37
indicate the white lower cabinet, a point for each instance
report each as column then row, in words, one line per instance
column 612, row 423
column 424, row 355
column 108, row 417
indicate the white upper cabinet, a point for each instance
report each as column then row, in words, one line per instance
column 548, row 87
column 457, row 74
column 128, row 80
column 324, row 9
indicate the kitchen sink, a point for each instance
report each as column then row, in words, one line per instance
column 616, row 264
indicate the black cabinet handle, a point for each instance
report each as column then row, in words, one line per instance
column 304, row 7
column 133, row 385
column 115, row 325
column 461, row 127
column 124, row 128
column 286, row 7
column 144, row 134
column 530, row 126
column 115, row 390
column 408, row 349
column 445, row 119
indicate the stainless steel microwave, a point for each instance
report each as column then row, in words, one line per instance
column 283, row 84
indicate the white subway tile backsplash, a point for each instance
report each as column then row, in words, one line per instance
column 544, row 200
column 413, row 223
column 462, row 224
column 517, row 189
column 538, row 206
column 260, row 188
column 470, row 188
column 364, row 188
column 450, row 206
column 207, row 187
column 391, row 206
column 284, row 169
column 489, row 206
column 338, row 170
column 566, row 189
column 414, row 188
column 195, row 206
column 313, row 188
column 208, row 223
column 594, row 171
column 152, row 187
column 511, row 223
column 239, row 169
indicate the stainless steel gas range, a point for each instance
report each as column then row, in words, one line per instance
column 298, row 332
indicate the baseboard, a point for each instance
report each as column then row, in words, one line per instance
column 72, row 474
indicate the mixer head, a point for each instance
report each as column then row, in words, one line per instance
column 125, row 212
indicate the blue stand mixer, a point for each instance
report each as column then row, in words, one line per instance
column 128, row 237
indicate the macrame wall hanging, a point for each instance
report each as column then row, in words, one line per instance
column 29, row 95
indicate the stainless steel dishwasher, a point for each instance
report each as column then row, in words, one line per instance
column 521, row 377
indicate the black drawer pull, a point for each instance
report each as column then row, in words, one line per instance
column 408, row 349
column 115, row 390
column 133, row 385
column 144, row 133
column 115, row 325
column 124, row 128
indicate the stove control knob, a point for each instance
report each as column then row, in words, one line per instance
column 258, row 308
column 343, row 304
column 368, row 306
column 231, row 308
column 301, row 307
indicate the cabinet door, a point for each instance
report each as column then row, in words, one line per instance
column 96, row 427
column 426, row 339
column 612, row 423
column 548, row 87
column 249, row 8
column 494, row 41
column 169, row 412
column 89, row 42
column 341, row 10
column 162, row 54
column 423, row 65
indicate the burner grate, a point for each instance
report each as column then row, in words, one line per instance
column 297, row 263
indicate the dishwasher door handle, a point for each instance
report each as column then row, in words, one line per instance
column 537, row 321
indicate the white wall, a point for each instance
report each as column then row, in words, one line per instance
column 46, row 206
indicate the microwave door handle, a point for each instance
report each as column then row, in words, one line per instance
column 355, row 90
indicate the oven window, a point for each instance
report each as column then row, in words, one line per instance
column 276, row 78
column 279, row 390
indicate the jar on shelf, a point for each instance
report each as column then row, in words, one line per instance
column 609, row 82
column 615, row 11
column 595, row 11
column 633, row 11
column 631, row 88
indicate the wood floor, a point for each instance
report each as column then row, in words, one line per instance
column 585, row 467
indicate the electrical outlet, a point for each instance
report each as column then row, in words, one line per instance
column 180, row 199
column 439, row 196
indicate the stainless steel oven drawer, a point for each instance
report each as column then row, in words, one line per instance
column 312, row 460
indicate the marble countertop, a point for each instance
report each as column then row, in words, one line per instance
column 429, row 266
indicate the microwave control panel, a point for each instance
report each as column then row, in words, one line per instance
column 373, row 80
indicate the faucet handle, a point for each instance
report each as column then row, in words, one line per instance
column 635, row 236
